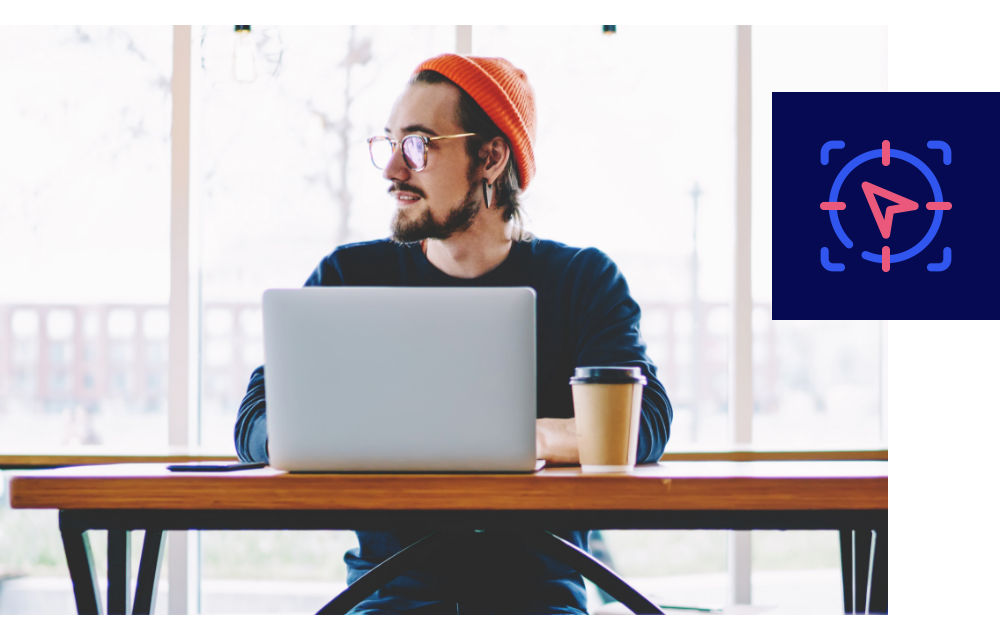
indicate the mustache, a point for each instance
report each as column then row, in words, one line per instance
column 402, row 186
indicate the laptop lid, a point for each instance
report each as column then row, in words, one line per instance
column 400, row 378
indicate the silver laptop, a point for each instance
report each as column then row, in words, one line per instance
column 400, row 378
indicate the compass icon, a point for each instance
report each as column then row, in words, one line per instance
column 835, row 206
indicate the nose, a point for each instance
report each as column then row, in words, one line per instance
column 396, row 168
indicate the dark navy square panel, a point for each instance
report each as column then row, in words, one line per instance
column 885, row 206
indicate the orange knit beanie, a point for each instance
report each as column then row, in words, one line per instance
column 503, row 92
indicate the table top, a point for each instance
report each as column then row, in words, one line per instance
column 89, row 455
column 670, row 485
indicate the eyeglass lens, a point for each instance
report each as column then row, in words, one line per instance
column 381, row 151
column 414, row 152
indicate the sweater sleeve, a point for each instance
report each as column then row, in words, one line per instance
column 250, row 432
column 251, row 421
column 608, row 335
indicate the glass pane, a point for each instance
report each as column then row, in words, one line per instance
column 84, row 253
column 817, row 384
column 281, row 176
column 672, row 568
column 797, row 572
column 85, row 198
column 655, row 189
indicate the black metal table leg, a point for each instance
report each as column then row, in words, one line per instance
column 149, row 572
column 864, row 564
column 862, row 557
column 80, row 564
column 879, row 587
column 855, row 548
column 590, row 568
column 381, row 575
column 847, row 568
column 864, row 560
column 119, row 571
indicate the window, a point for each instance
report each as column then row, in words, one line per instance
column 816, row 383
column 282, row 176
column 84, row 202
column 84, row 219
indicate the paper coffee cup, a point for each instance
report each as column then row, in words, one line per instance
column 607, row 403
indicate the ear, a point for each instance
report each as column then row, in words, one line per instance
column 494, row 155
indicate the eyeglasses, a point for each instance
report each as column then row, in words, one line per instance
column 414, row 148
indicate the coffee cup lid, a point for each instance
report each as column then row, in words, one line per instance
column 608, row 375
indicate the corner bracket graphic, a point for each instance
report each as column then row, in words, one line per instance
column 824, row 152
column 824, row 259
column 944, row 147
column 945, row 261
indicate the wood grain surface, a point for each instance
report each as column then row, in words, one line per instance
column 671, row 485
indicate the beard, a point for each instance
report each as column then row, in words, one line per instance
column 422, row 225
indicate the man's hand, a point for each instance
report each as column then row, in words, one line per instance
column 555, row 440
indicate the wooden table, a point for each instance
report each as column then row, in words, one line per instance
column 93, row 454
column 847, row 496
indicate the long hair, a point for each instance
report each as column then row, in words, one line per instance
column 473, row 119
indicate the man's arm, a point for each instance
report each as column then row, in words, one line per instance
column 607, row 330
column 251, row 422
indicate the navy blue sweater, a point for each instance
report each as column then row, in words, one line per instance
column 585, row 317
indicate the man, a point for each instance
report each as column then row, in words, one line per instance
column 457, row 152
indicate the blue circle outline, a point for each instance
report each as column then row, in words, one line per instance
column 905, row 157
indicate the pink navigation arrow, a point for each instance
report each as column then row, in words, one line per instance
column 884, row 221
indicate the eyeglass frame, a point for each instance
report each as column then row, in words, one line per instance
column 394, row 144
